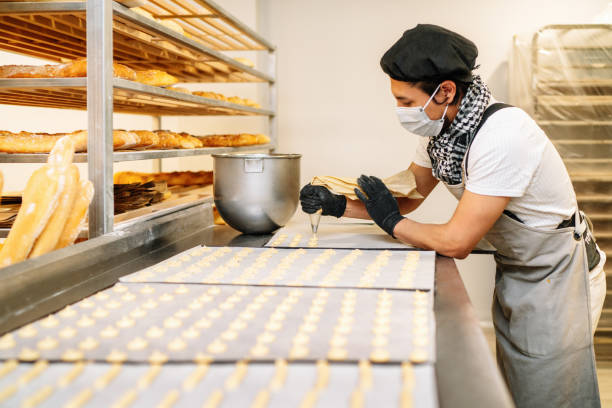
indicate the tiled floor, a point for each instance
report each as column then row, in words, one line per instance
column 604, row 371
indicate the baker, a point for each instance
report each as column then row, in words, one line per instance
column 514, row 190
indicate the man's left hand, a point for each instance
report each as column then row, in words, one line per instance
column 379, row 202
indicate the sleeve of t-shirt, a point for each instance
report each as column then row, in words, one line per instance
column 421, row 157
column 505, row 154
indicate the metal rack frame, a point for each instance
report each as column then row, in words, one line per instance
column 102, row 19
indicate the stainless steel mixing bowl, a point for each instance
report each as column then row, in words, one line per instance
column 256, row 193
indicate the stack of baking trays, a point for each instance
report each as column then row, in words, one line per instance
column 302, row 325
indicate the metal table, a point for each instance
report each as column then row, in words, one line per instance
column 465, row 371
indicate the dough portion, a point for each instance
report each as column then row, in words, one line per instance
column 402, row 184
column 155, row 77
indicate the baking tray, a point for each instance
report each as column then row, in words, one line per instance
column 135, row 322
column 230, row 385
column 336, row 236
column 295, row 267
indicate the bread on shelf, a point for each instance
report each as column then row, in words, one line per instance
column 176, row 178
column 243, row 139
column 26, row 142
column 72, row 69
column 155, row 77
column 179, row 89
column 49, row 203
column 231, row 99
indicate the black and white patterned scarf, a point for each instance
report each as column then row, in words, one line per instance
column 446, row 150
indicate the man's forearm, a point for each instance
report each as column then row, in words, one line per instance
column 437, row 237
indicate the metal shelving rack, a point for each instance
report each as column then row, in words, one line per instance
column 104, row 31
column 571, row 86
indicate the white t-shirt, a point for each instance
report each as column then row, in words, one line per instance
column 512, row 157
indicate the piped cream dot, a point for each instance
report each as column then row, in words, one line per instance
column 7, row 342
column 337, row 353
column 177, row 344
column 137, row 344
column 85, row 322
column 28, row 354
column 72, row 355
column 172, row 323
column 157, row 357
column 89, row 344
column 125, row 322
column 100, row 313
column 27, row 332
column 418, row 356
column 49, row 322
column 379, row 355
column 259, row 350
column 67, row 332
column 154, row 332
column 191, row 333
column 109, row 332
column 116, row 356
column 47, row 343
column 216, row 347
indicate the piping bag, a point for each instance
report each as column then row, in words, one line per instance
column 315, row 218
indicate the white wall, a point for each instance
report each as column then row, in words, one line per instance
column 334, row 101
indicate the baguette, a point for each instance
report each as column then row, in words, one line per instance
column 39, row 200
column 48, row 239
column 77, row 215
column 25, row 142
column 72, row 69
column 148, row 139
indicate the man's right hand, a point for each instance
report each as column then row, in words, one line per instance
column 314, row 198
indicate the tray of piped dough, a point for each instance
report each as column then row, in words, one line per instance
column 140, row 322
column 413, row 270
column 277, row 384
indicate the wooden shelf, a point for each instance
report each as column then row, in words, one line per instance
column 129, row 97
column 56, row 31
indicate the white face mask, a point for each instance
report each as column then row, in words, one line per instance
column 416, row 121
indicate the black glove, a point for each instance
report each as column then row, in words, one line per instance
column 314, row 197
column 379, row 203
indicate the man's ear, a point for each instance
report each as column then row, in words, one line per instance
column 449, row 90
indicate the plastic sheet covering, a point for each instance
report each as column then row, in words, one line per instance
column 562, row 76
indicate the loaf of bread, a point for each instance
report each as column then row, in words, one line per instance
column 179, row 89
column 39, row 200
column 148, row 139
column 49, row 237
column 72, row 69
column 26, row 142
column 177, row 178
column 243, row 139
column 155, row 77
column 85, row 192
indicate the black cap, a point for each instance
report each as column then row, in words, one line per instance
column 430, row 52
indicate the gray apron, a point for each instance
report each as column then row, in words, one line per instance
column 541, row 313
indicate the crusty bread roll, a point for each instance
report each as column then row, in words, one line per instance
column 179, row 89
column 77, row 215
column 48, row 239
column 176, row 178
column 192, row 139
column 123, row 139
column 210, row 95
column 148, row 139
column 155, row 77
column 78, row 68
column 40, row 198
column 72, row 69
column 169, row 140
